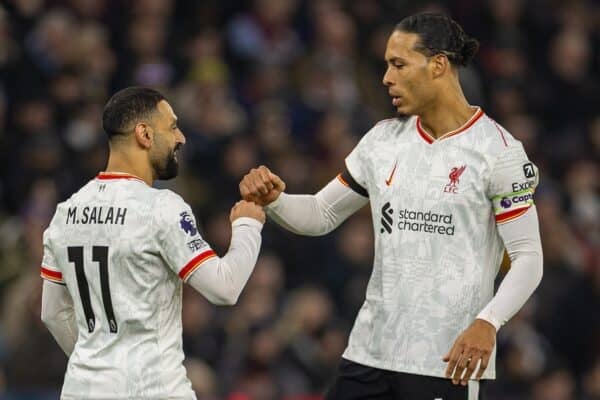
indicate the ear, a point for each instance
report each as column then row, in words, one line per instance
column 144, row 135
column 439, row 65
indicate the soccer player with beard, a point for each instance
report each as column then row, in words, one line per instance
column 449, row 191
column 116, row 254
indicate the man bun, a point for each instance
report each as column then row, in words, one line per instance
column 468, row 50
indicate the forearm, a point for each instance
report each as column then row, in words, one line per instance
column 58, row 315
column 319, row 214
column 221, row 279
column 522, row 241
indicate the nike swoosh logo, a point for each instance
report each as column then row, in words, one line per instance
column 388, row 181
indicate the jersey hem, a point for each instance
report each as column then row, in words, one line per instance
column 406, row 370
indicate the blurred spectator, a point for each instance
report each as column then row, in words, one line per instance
column 557, row 384
column 264, row 34
column 49, row 45
column 591, row 382
column 29, row 344
column 305, row 328
column 201, row 338
column 203, row 378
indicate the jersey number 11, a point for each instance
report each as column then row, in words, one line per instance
column 99, row 255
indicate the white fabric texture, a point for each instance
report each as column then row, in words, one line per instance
column 319, row 214
column 437, row 209
column 221, row 279
column 522, row 241
column 124, row 250
column 59, row 316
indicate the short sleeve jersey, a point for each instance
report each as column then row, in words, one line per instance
column 123, row 248
column 435, row 206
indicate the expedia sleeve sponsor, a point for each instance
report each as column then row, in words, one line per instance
column 513, row 184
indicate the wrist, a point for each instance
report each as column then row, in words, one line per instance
column 487, row 323
column 247, row 221
column 273, row 205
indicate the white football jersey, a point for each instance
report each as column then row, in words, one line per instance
column 123, row 248
column 435, row 206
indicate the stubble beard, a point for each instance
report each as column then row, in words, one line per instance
column 169, row 168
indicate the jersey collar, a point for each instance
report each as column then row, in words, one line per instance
column 105, row 176
column 430, row 139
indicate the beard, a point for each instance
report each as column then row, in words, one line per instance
column 168, row 167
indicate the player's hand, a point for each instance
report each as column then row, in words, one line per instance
column 261, row 186
column 247, row 209
column 473, row 345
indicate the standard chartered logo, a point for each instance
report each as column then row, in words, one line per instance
column 425, row 221
column 386, row 218
column 417, row 221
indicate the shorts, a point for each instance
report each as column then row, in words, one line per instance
column 355, row 381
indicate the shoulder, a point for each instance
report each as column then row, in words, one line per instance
column 61, row 211
column 510, row 162
column 394, row 124
column 169, row 206
column 499, row 140
column 61, row 208
column 80, row 194
column 387, row 122
column 498, row 134
column 391, row 127
column 174, row 214
column 166, row 198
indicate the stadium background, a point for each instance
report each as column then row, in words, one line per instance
column 293, row 84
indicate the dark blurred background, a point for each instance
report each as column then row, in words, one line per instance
column 293, row 84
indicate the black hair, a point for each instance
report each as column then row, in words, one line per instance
column 127, row 106
column 440, row 34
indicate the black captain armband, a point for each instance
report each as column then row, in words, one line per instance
column 349, row 181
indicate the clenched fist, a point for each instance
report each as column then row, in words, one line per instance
column 261, row 186
column 247, row 209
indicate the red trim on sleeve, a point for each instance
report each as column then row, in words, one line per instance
column 195, row 262
column 509, row 216
column 341, row 179
column 51, row 275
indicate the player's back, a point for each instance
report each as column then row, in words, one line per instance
column 105, row 243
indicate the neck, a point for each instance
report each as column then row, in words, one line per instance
column 119, row 161
column 448, row 113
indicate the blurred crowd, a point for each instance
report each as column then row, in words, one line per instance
column 293, row 85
